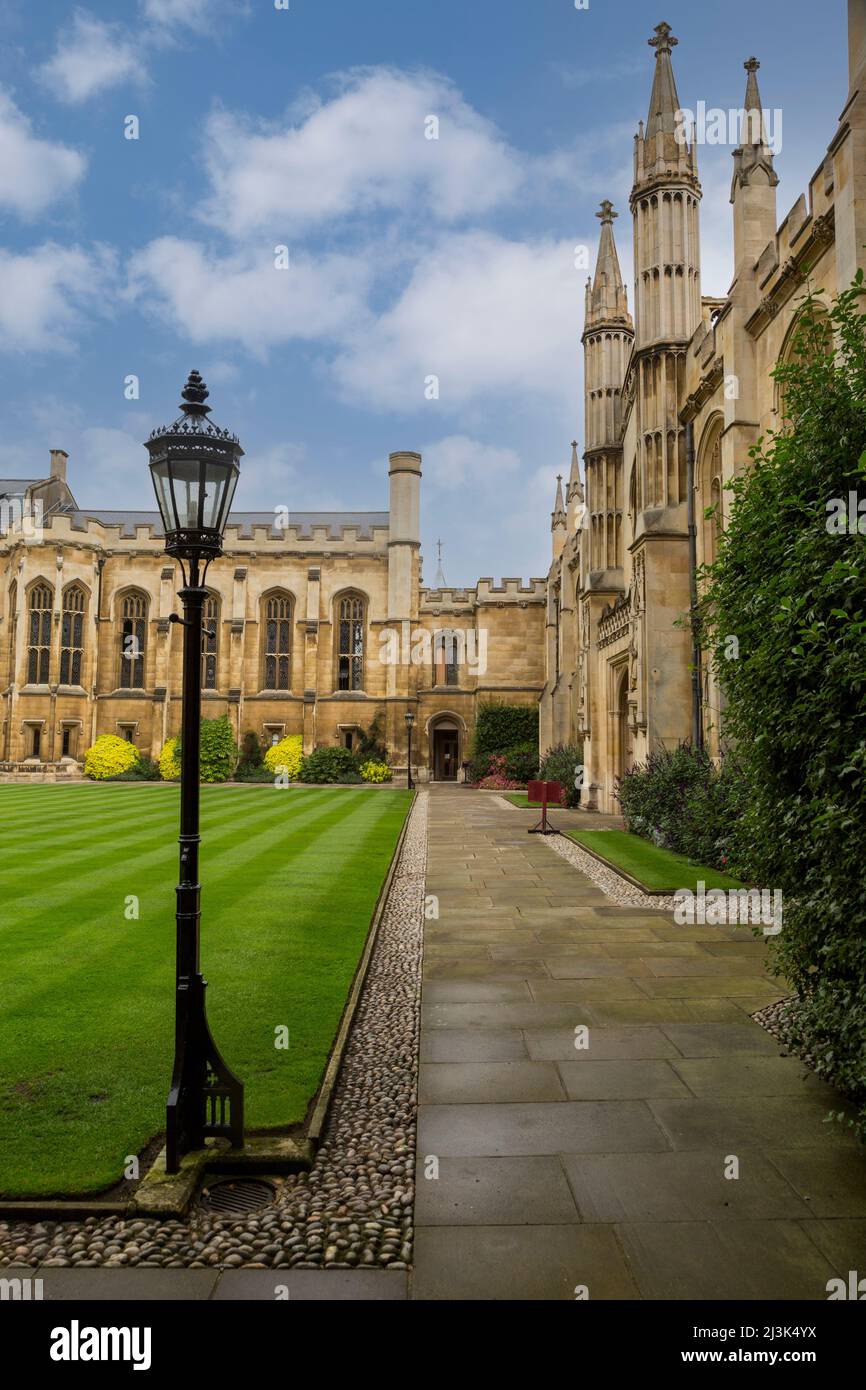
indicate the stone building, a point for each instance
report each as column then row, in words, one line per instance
column 321, row 623
column 673, row 402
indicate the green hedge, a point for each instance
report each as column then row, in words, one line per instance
column 500, row 728
column 680, row 801
column 791, row 588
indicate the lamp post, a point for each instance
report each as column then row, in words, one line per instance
column 194, row 468
column 410, row 720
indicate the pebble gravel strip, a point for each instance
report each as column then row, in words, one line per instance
column 626, row 895
column 618, row 889
column 354, row 1207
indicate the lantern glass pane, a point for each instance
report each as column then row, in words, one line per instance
column 186, row 478
column 216, row 477
column 159, row 473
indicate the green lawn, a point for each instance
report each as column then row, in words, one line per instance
column 290, row 879
column 657, row 869
column 521, row 799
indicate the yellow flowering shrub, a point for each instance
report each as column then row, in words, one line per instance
column 374, row 771
column 110, row 755
column 169, row 761
column 288, row 753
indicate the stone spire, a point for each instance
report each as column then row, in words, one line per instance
column 606, row 300
column 753, row 151
column 754, row 180
column 664, row 102
column 664, row 148
column 558, row 520
column 574, row 491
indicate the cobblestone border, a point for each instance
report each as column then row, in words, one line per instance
column 354, row 1207
column 618, row 889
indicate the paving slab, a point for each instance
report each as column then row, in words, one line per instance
column 474, row 1045
column 680, row 1187
column 468, row 1082
column 611, row 1126
column 312, row 1285
column 529, row 1191
column 529, row 1263
column 609, row 1166
column 595, row 1079
column 136, row 1285
column 730, row 1260
column 559, row 1044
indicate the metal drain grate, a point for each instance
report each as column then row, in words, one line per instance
column 237, row 1195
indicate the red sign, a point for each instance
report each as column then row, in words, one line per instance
column 551, row 792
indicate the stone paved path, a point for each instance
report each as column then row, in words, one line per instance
column 604, row 1167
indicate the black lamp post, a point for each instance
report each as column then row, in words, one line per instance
column 194, row 467
column 410, row 720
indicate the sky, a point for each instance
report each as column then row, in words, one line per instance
column 366, row 222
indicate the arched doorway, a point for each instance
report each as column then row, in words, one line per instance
column 445, row 750
column 623, row 741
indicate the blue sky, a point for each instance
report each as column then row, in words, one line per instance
column 408, row 257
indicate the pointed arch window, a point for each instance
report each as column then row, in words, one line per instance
column 277, row 655
column 72, row 635
column 350, row 642
column 133, row 641
column 39, row 652
column 13, row 626
column 446, row 665
column 210, row 642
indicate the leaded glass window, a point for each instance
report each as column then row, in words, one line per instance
column 72, row 636
column 210, row 644
column 278, row 642
column 133, row 641
column 39, row 654
column 351, row 643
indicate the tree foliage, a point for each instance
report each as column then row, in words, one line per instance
column 790, row 585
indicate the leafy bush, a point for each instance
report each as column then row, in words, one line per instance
column 251, row 755
column 496, row 778
column 500, row 727
column 371, row 744
column 288, row 754
column 169, row 760
column 521, row 762
column 790, row 584
column 246, row 773
column 561, row 764
column 145, row 770
column 331, row 764
column 681, row 801
column 219, row 751
column 372, row 771
column 109, row 756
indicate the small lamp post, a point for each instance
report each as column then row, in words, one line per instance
column 194, row 466
column 410, row 720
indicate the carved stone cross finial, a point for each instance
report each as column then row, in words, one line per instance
column 664, row 39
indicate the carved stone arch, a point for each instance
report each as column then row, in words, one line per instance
column 709, row 485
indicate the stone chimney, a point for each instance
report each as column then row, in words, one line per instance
column 58, row 464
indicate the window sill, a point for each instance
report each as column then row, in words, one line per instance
column 35, row 690
column 71, row 690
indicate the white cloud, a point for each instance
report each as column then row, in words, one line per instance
column 485, row 316
column 458, row 461
column 90, row 57
column 46, row 292
column 363, row 151
column 168, row 12
column 243, row 298
column 33, row 172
